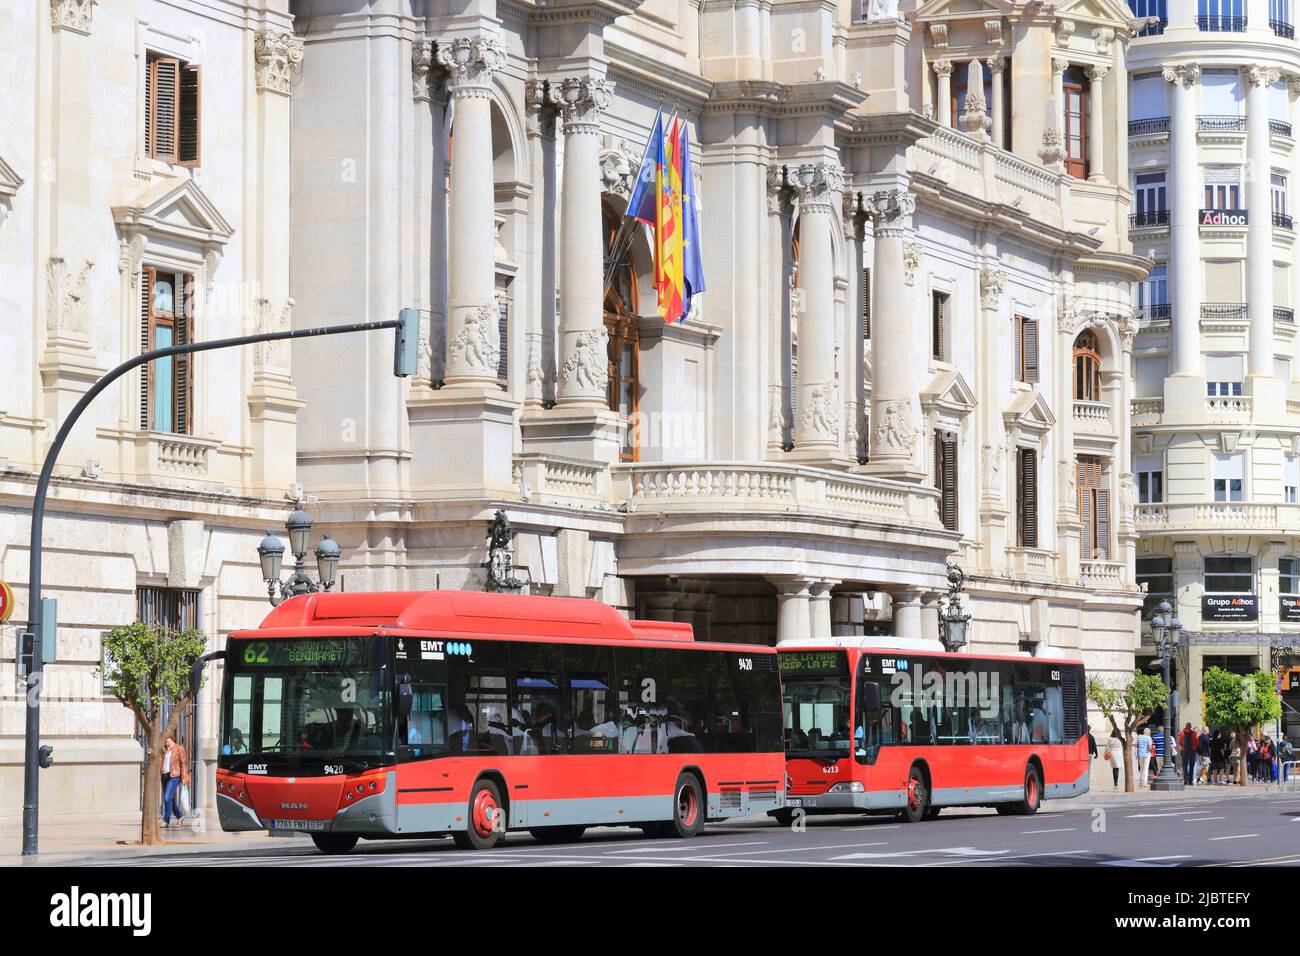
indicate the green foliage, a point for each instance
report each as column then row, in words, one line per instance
column 1130, row 704
column 1233, row 700
column 145, row 665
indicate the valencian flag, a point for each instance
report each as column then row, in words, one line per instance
column 664, row 198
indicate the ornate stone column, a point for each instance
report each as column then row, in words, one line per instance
column 893, row 393
column 1097, row 123
column 998, row 69
column 819, row 608
column 473, row 340
column 792, row 618
column 943, row 112
column 1184, row 228
column 1259, row 234
column 583, row 368
column 817, row 424
column 907, row 614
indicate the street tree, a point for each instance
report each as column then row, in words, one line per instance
column 1241, row 703
column 1127, row 706
column 145, row 666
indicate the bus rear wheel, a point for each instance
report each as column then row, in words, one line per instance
column 334, row 842
column 1033, row 798
column 688, row 809
column 486, row 823
column 918, row 798
column 571, row 834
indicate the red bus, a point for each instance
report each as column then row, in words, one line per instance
column 419, row 714
column 902, row 732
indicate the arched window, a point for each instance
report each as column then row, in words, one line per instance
column 624, row 335
column 1087, row 368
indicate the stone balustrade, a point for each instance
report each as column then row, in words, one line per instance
column 1218, row 516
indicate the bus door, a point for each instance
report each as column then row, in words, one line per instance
column 874, row 718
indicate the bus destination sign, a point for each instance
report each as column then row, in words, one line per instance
column 301, row 652
column 813, row 662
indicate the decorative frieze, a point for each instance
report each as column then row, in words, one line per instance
column 476, row 348
column 992, row 282
column 1064, row 29
column 586, row 370
column 73, row 15
column 472, row 62
column 911, row 261
column 269, row 319
column 939, row 35
column 991, row 457
column 619, row 165
column 276, row 57
column 1102, row 38
column 894, row 429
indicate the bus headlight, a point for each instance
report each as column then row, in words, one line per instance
column 854, row 786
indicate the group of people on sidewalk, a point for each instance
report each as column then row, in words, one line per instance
column 1205, row 757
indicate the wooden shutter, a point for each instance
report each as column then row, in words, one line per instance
column 164, row 77
column 945, row 477
column 866, row 302
column 146, row 338
column 1027, row 494
column 188, row 117
column 503, row 336
column 1028, row 350
column 1086, row 516
column 1101, row 551
column 183, row 365
column 937, row 303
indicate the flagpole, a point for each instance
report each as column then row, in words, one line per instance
column 623, row 237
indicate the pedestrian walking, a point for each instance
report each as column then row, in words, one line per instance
column 1144, row 750
column 1187, row 751
column 176, row 773
column 1234, row 757
column 1092, row 742
column 1115, row 755
column 1218, row 757
column 1267, row 769
column 1252, row 758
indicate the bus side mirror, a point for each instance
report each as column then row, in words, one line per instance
column 404, row 695
column 870, row 695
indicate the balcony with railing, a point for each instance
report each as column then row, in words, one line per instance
column 1152, row 219
column 1102, row 575
column 1146, row 411
column 1156, row 312
column 1284, row 314
column 1209, row 517
column 1227, row 409
column 1156, row 126
column 1223, row 311
column 1279, row 127
column 1155, row 26
column 1092, row 418
column 1221, row 24
column 1282, row 28
column 1220, row 123
column 1032, row 562
column 1282, row 221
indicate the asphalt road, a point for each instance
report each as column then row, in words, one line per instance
column 1258, row 831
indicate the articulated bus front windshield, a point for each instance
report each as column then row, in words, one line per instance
column 303, row 704
column 815, row 699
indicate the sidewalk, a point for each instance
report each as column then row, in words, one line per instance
column 71, row 844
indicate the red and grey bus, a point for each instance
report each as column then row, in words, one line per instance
column 417, row 714
column 892, row 731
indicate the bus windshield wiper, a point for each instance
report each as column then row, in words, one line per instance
column 828, row 758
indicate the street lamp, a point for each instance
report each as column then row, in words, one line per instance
column 952, row 622
column 271, row 554
column 1164, row 631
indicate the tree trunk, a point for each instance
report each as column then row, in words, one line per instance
column 1128, row 767
column 152, row 810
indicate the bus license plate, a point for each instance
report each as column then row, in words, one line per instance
column 297, row 824
column 794, row 801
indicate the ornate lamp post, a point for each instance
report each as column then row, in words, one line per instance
column 1164, row 631
column 952, row 622
column 271, row 553
column 500, row 562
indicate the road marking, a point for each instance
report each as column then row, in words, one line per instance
column 1239, row 836
column 697, row 847
column 1057, row 830
column 965, row 852
column 1148, row 816
column 1147, row 861
column 1200, row 819
column 1003, row 859
column 799, row 849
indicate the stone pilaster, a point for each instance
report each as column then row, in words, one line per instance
column 817, row 425
column 277, row 56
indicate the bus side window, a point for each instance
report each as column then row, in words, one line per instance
column 689, row 720
column 642, row 689
column 593, row 708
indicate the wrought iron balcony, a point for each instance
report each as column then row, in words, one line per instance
column 1282, row 28
column 1157, row 312
column 1223, row 310
column 1154, row 28
column 1282, row 314
column 1149, row 220
column 1282, row 221
column 1222, row 24
column 1221, row 123
column 1149, row 127
column 1279, row 128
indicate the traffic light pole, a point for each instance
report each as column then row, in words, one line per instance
column 403, row 364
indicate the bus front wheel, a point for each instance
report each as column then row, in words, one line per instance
column 334, row 842
column 1029, row 803
column 486, row 823
column 918, row 798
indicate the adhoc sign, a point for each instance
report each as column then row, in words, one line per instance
column 6, row 602
column 1224, row 217
column 1229, row 607
column 1288, row 608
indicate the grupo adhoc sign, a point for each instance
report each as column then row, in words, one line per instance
column 1229, row 607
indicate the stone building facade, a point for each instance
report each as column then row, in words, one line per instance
column 1216, row 441
column 913, row 348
